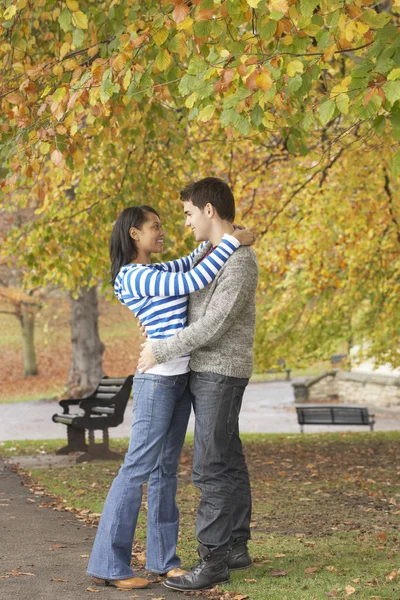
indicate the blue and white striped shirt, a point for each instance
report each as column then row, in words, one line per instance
column 158, row 293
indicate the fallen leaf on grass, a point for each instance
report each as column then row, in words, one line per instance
column 391, row 576
column 91, row 589
column 277, row 574
column 350, row 590
column 240, row 597
column 333, row 594
column 60, row 580
column 330, row 568
column 279, row 555
column 250, row 580
column 310, row 570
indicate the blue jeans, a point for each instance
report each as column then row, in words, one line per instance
column 161, row 410
column 219, row 465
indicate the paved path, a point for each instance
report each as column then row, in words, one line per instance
column 267, row 408
column 44, row 553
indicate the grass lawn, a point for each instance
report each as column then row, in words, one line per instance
column 326, row 512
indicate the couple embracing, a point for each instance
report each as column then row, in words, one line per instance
column 199, row 316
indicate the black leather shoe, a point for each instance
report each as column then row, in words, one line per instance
column 239, row 557
column 211, row 570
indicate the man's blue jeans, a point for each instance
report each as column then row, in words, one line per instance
column 161, row 409
column 219, row 465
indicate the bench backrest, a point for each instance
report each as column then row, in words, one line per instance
column 116, row 392
column 345, row 415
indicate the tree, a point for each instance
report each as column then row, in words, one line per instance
column 24, row 307
column 123, row 103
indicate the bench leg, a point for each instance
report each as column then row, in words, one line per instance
column 99, row 451
column 76, row 441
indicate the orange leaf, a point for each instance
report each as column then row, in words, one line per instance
column 180, row 12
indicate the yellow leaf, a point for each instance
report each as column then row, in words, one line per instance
column 278, row 5
column 119, row 62
column 253, row 3
column 64, row 49
column 44, row 148
column 160, row 36
column 73, row 5
column 163, row 59
column 127, row 79
column 287, row 40
column 189, row 102
column 295, row 66
column 10, row 12
column 264, row 80
column 79, row 19
column 70, row 64
column 185, row 24
column 393, row 75
column 206, row 113
column 362, row 28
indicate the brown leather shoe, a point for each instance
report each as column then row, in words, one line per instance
column 177, row 572
column 132, row 583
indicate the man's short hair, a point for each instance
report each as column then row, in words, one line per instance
column 214, row 191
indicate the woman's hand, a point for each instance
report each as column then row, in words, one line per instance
column 245, row 237
column 142, row 328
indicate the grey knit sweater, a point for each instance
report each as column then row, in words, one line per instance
column 220, row 333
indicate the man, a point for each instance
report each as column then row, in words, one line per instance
column 220, row 339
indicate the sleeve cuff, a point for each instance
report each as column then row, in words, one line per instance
column 231, row 239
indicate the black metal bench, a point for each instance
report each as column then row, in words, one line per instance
column 103, row 409
column 333, row 414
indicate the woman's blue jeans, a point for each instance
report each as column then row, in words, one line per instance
column 161, row 409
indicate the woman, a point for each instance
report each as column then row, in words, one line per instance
column 158, row 295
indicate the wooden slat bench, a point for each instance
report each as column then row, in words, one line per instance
column 333, row 414
column 103, row 409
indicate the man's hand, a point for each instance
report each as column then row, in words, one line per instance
column 146, row 360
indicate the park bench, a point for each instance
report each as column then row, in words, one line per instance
column 333, row 414
column 103, row 409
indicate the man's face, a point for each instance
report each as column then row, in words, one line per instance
column 198, row 221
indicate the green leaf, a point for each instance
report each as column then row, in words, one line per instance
column 294, row 84
column 268, row 30
column 202, row 29
column 379, row 124
column 385, row 65
column 77, row 37
column 343, row 102
column 307, row 7
column 392, row 91
column 326, row 111
column 395, row 122
column 65, row 20
column 374, row 19
column 393, row 75
column 257, row 115
column 396, row 164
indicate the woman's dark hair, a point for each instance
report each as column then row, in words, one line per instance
column 122, row 247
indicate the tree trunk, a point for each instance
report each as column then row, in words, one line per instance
column 27, row 320
column 87, row 348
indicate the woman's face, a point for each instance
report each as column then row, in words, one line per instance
column 150, row 237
